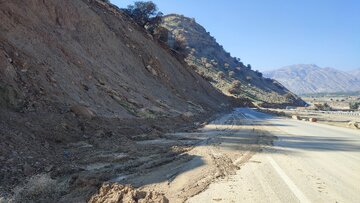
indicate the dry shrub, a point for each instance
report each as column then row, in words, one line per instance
column 203, row 75
column 221, row 75
column 235, row 84
column 208, row 65
column 232, row 90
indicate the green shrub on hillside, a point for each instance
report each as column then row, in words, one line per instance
column 145, row 13
column 354, row 105
column 323, row 107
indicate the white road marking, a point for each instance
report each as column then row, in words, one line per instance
column 302, row 198
column 288, row 182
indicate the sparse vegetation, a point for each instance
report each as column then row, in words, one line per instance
column 161, row 34
column 235, row 84
column 219, row 66
column 221, row 74
column 323, row 107
column 232, row 90
column 288, row 96
column 208, row 65
column 231, row 74
column 203, row 75
column 354, row 105
column 145, row 14
column 258, row 73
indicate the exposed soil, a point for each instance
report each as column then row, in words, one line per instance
column 88, row 98
column 81, row 86
column 116, row 193
column 175, row 166
column 213, row 152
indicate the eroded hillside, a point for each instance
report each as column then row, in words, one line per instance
column 225, row 72
column 80, row 84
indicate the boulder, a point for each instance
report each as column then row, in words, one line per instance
column 151, row 70
column 82, row 111
column 354, row 124
column 313, row 120
column 296, row 117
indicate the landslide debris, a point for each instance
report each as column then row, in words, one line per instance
column 80, row 85
column 116, row 193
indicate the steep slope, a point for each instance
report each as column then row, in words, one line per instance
column 80, row 83
column 226, row 73
column 305, row 78
column 73, row 54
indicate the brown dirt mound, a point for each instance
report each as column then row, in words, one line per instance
column 115, row 193
column 81, row 83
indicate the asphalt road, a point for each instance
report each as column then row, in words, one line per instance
column 309, row 162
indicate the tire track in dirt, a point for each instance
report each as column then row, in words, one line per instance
column 222, row 147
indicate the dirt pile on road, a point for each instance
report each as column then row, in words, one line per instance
column 115, row 193
column 80, row 85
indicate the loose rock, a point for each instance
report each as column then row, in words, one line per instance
column 117, row 193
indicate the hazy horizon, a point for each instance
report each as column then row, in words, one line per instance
column 346, row 70
column 271, row 35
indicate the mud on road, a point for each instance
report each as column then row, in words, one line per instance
column 213, row 152
column 175, row 166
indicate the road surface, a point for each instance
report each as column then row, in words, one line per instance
column 308, row 162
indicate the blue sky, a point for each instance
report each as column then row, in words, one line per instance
column 270, row 34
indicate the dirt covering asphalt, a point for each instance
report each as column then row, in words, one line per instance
column 173, row 166
column 213, row 152
column 80, row 85
column 87, row 98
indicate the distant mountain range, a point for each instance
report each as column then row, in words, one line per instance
column 356, row 73
column 310, row 78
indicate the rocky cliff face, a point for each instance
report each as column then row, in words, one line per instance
column 216, row 65
column 79, row 83
column 308, row 78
